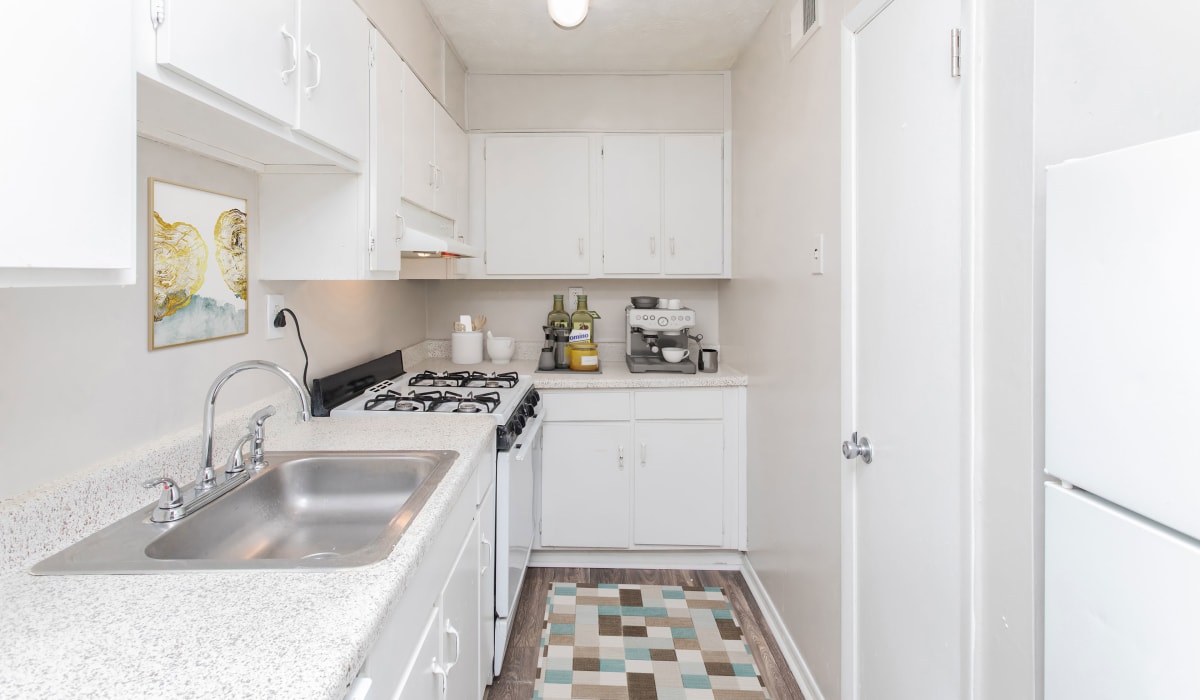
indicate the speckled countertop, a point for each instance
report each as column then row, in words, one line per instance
column 435, row 355
column 226, row 634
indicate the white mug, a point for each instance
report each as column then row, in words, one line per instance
column 675, row 354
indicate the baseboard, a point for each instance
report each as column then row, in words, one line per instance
column 724, row 560
column 787, row 645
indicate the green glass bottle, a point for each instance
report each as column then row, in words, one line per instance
column 583, row 322
column 558, row 316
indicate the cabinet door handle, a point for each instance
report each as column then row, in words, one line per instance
column 308, row 91
column 399, row 226
column 440, row 673
column 490, row 558
column 621, row 457
column 457, row 646
column 581, row 245
column 672, row 245
column 653, row 245
column 432, row 175
column 285, row 74
column 643, row 455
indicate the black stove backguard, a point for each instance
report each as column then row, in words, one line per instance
column 339, row 387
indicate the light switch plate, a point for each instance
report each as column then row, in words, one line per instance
column 275, row 304
column 573, row 298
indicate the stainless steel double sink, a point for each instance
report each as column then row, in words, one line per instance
column 304, row 511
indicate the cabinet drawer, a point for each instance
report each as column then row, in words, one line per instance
column 679, row 405
column 587, row 405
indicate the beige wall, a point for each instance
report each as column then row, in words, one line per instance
column 518, row 307
column 786, row 165
column 78, row 385
column 689, row 102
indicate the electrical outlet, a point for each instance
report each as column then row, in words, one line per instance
column 275, row 304
column 573, row 298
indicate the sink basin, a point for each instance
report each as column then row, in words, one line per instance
column 305, row 511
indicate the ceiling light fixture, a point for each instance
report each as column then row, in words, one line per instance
column 568, row 13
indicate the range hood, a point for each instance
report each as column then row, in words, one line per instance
column 426, row 234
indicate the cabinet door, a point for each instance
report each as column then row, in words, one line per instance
column 679, row 483
column 420, row 142
column 585, row 484
column 460, row 623
column 334, row 69
column 487, row 588
column 694, row 204
column 632, row 203
column 80, row 106
column 249, row 52
column 451, row 164
column 536, row 200
column 422, row 680
column 386, row 154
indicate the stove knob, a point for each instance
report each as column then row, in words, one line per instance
column 519, row 422
column 534, row 397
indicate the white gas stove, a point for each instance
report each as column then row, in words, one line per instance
column 382, row 388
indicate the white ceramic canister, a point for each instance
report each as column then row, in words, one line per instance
column 466, row 347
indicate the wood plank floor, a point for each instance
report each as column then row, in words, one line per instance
column 520, row 662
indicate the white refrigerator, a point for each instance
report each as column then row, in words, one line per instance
column 1122, row 584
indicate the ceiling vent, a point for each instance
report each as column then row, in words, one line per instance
column 806, row 20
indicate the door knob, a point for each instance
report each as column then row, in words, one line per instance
column 857, row 447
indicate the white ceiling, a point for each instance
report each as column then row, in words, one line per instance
column 518, row 36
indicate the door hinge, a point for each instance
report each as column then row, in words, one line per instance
column 158, row 13
column 371, row 54
column 955, row 53
column 371, row 244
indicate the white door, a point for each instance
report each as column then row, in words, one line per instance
column 632, row 203
column 420, row 142
column 905, row 565
column 679, row 483
column 537, row 198
column 387, row 155
column 694, row 203
column 585, row 484
column 334, row 75
column 460, row 623
column 255, row 60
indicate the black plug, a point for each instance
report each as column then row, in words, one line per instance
column 280, row 321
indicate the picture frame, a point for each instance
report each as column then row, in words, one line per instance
column 199, row 265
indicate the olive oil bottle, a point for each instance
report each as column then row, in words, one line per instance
column 558, row 317
column 583, row 322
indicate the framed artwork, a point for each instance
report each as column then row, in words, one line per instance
column 198, row 265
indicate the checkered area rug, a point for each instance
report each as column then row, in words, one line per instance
column 631, row 642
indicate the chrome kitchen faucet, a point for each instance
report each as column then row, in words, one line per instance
column 174, row 505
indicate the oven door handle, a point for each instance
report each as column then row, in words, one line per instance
column 528, row 438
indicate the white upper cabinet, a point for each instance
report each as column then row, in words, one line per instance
column 632, row 203
column 386, row 155
column 537, row 205
column 420, row 143
column 302, row 63
column 656, row 201
column 451, row 185
column 333, row 97
column 249, row 52
column 694, row 204
column 68, row 185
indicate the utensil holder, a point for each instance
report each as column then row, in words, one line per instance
column 466, row 347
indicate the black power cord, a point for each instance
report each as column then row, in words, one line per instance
column 280, row 322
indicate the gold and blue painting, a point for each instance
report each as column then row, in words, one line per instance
column 198, row 265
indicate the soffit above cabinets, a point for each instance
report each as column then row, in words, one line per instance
column 518, row 36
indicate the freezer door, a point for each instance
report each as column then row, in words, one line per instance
column 1122, row 338
column 1122, row 604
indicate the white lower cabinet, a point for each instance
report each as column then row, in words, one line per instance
column 585, row 484
column 646, row 468
column 432, row 643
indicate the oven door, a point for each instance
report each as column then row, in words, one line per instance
column 516, row 470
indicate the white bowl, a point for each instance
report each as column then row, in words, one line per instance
column 500, row 349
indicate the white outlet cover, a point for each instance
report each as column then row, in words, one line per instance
column 275, row 303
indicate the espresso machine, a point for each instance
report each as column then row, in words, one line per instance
column 649, row 331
